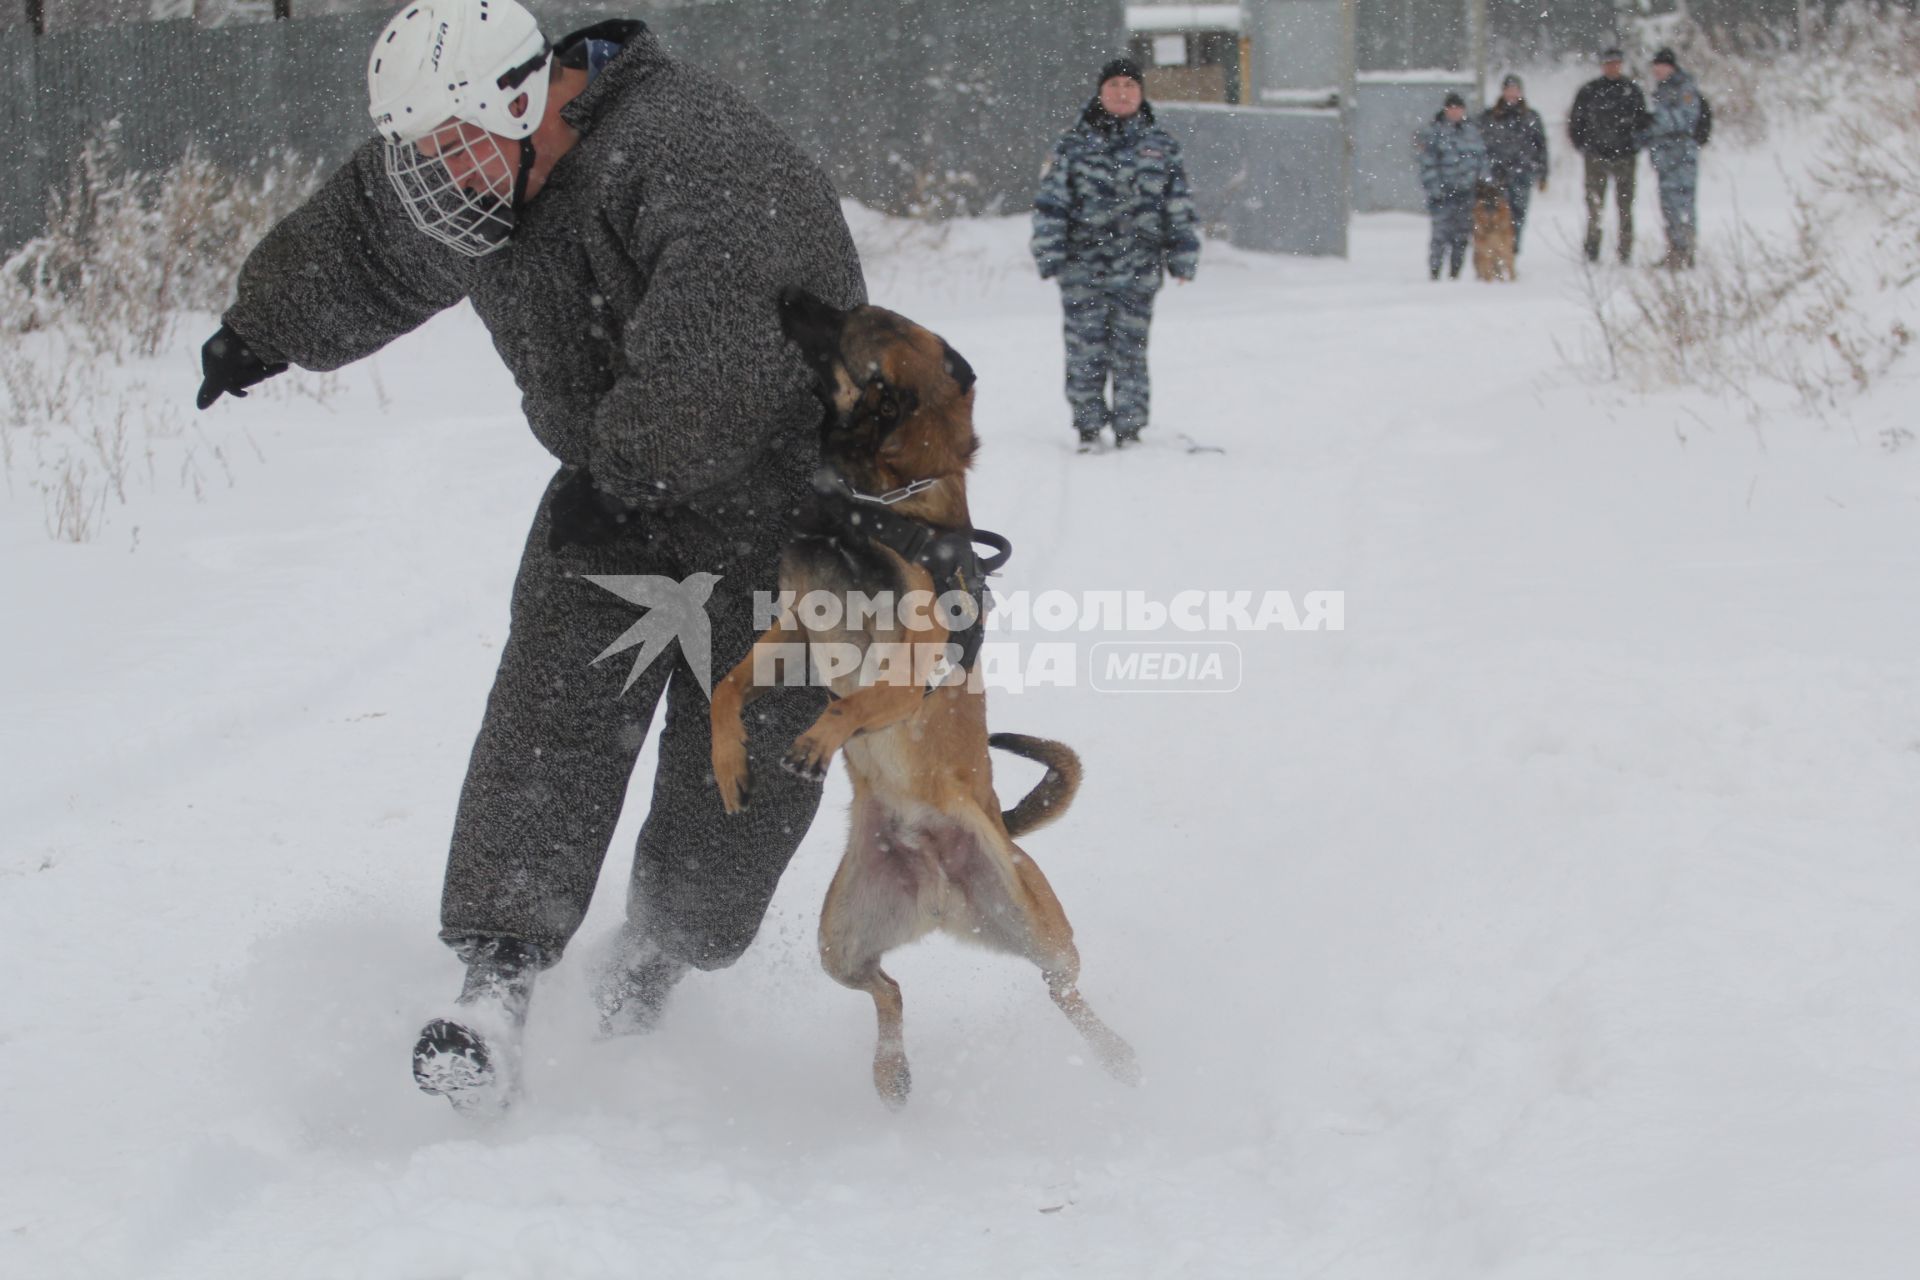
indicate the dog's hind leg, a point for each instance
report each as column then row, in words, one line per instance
column 1059, row 962
column 892, row 1079
column 1012, row 908
column 885, row 894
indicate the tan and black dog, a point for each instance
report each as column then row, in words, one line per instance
column 1493, row 240
column 929, row 847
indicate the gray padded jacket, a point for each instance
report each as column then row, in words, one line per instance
column 634, row 304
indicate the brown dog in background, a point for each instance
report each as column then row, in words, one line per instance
column 1493, row 247
column 929, row 847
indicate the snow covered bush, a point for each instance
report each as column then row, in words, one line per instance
column 1819, row 309
column 1873, row 162
column 1805, row 312
column 125, row 253
column 1765, row 78
column 125, row 258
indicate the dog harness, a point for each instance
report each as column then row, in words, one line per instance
column 948, row 555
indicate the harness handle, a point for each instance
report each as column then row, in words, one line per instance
column 1002, row 550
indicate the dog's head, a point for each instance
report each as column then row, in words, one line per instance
column 898, row 399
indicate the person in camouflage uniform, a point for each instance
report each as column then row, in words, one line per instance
column 1113, row 212
column 1453, row 162
column 1516, row 150
column 628, row 278
column 1672, row 144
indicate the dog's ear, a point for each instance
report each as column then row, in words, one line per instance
column 956, row 366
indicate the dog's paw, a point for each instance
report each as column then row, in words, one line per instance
column 1118, row 1059
column 731, row 775
column 807, row 758
column 892, row 1080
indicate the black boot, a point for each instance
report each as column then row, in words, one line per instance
column 471, row 1057
column 631, row 986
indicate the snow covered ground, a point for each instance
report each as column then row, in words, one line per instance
column 1558, row 918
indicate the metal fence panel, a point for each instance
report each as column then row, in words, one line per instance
column 1298, row 45
column 1267, row 179
column 911, row 105
column 240, row 92
column 1415, row 34
column 1388, row 113
column 23, row 150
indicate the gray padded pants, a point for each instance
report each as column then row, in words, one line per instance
column 558, row 745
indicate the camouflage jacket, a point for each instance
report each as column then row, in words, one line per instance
column 1114, row 209
column 634, row 305
column 1676, row 113
column 1453, row 158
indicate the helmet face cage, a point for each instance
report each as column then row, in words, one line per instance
column 453, row 86
column 473, row 214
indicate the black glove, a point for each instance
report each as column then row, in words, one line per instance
column 231, row 367
column 581, row 515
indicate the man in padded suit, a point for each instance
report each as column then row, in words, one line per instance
column 622, row 224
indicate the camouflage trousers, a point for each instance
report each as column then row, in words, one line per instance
column 1678, row 185
column 1107, row 338
column 1519, row 192
column 1452, row 231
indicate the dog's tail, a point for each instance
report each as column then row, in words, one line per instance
column 1055, row 791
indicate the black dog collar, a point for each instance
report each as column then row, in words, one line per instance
column 948, row 555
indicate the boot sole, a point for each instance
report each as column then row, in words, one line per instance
column 452, row 1062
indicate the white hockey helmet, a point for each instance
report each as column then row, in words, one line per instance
column 441, row 86
column 442, row 60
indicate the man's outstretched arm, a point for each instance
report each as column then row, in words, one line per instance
column 335, row 280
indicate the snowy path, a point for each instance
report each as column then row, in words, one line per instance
column 1555, row 919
